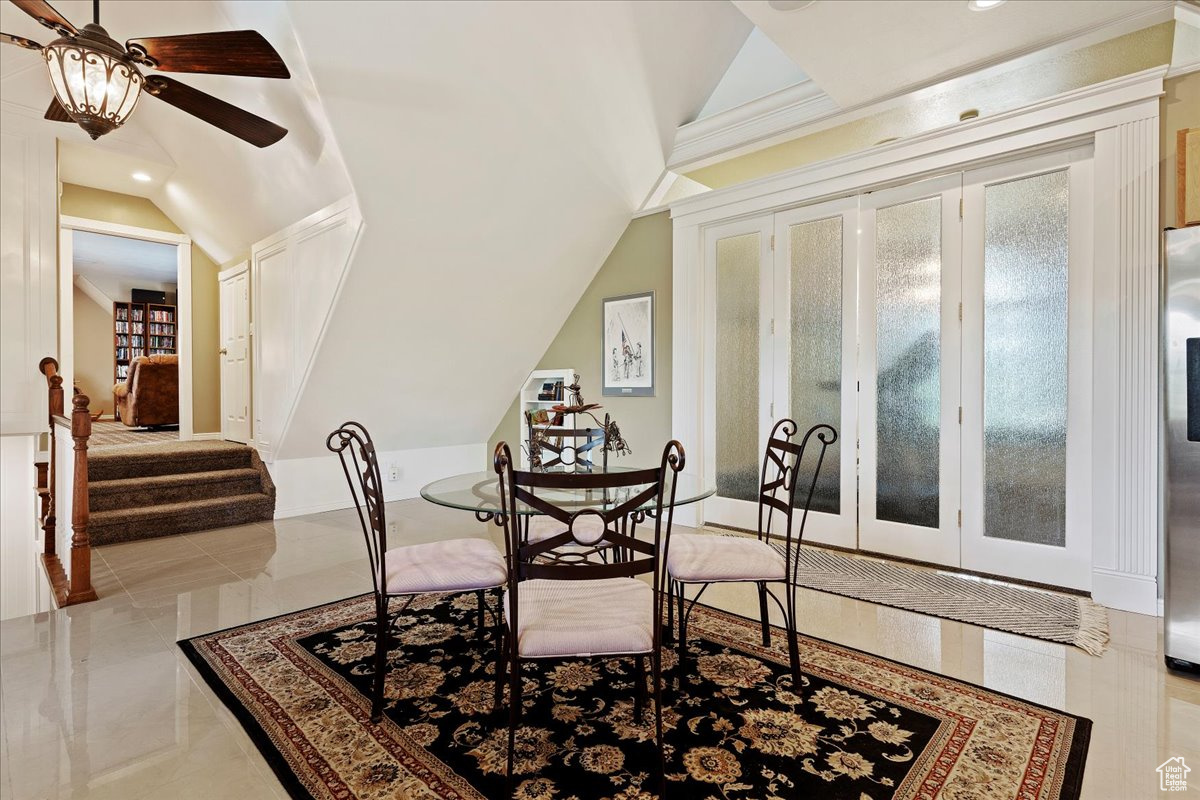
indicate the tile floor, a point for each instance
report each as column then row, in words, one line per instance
column 97, row 701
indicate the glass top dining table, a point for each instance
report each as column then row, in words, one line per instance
column 479, row 492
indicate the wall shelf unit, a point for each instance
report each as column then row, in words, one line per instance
column 534, row 385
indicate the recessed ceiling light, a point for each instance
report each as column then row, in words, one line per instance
column 789, row 5
column 141, row 176
column 984, row 5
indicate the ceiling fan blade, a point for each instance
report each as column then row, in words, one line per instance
column 19, row 41
column 223, row 53
column 229, row 118
column 56, row 112
column 44, row 13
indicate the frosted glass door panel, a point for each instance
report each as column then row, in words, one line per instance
column 815, row 254
column 908, row 245
column 737, row 366
column 1026, row 238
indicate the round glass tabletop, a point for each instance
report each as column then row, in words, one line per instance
column 479, row 492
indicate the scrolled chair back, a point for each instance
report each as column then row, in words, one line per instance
column 783, row 461
column 356, row 451
column 569, row 555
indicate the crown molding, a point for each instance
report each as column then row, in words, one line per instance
column 770, row 120
column 1183, row 68
column 784, row 110
column 1081, row 106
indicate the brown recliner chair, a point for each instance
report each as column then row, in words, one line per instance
column 150, row 394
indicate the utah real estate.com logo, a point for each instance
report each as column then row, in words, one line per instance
column 1172, row 775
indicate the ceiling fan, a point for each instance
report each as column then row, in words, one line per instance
column 97, row 82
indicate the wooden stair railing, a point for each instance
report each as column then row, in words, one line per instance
column 77, row 587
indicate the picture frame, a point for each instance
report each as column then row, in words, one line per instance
column 627, row 345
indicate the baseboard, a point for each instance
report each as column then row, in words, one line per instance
column 1126, row 592
column 315, row 485
column 206, row 437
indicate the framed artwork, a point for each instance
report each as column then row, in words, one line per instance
column 627, row 341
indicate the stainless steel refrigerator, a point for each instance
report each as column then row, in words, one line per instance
column 1181, row 445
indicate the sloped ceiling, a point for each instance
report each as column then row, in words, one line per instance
column 870, row 49
column 225, row 193
column 497, row 151
column 759, row 69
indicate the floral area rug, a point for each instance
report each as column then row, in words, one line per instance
column 859, row 727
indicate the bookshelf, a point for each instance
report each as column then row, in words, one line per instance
column 141, row 329
column 558, row 379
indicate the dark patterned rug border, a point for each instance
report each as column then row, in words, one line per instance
column 1072, row 780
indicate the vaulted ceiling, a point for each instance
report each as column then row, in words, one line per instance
column 497, row 151
column 863, row 50
column 224, row 192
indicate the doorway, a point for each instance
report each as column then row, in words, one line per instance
column 943, row 327
column 154, row 327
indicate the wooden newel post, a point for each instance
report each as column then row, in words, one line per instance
column 81, row 549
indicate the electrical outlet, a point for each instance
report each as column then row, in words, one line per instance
column 391, row 529
column 393, row 472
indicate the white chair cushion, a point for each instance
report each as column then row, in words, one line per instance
column 702, row 558
column 453, row 565
column 583, row 618
column 542, row 528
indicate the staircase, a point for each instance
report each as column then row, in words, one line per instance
column 146, row 492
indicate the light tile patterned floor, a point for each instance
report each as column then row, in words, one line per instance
column 97, row 701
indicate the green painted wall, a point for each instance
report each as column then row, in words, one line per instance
column 640, row 262
column 124, row 209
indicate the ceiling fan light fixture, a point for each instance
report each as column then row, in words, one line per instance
column 94, row 80
column 984, row 5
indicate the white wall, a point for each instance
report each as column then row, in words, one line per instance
column 20, row 581
column 497, row 151
column 296, row 276
column 311, row 485
column 28, row 271
column 28, row 211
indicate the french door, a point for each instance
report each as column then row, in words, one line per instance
column 1027, row 369
column 909, row 375
column 943, row 327
column 782, row 301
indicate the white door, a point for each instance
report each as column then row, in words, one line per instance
column 1027, row 369
column 739, row 364
column 815, row 347
column 909, row 370
column 235, row 354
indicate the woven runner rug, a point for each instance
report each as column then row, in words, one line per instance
column 859, row 727
column 1053, row 616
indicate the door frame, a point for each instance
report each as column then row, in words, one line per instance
column 222, row 276
column 939, row 545
column 1070, row 565
column 724, row 510
column 67, row 225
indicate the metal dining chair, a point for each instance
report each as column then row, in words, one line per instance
column 408, row 571
column 561, row 604
column 699, row 559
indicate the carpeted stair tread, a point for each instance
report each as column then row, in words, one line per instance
column 123, row 493
column 151, row 521
column 150, row 461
